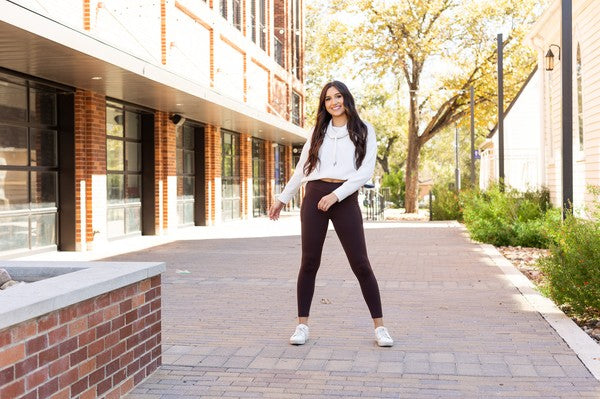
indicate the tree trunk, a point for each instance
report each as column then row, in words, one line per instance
column 414, row 148
column 383, row 162
column 412, row 175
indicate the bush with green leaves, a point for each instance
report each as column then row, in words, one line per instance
column 445, row 205
column 573, row 268
column 395, row 182
column 508, row 218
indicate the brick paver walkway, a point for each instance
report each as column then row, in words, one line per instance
column 461, row 329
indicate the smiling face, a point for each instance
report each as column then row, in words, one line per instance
column 334, row 102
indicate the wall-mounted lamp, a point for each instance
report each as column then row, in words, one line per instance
column 177, row 119
column 549, row 58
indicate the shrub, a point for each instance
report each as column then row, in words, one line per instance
column 508, row 218
column 395, row 181
column 573, row 267
column 445, row 205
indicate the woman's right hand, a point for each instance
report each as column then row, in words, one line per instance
column 275, row 209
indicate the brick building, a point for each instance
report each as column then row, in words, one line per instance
column 140, row 117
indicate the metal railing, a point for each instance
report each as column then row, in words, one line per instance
column 373, row 204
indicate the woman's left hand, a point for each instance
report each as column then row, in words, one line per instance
column 327, row 201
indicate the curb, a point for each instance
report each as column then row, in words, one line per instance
column 582, row 344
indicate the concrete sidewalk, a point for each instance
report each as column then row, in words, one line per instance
column 461, row 327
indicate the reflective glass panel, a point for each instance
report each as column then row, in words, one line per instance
column 227, row 190
column 133, row 125
column 43, row 189
column 188, row 161
column 188, row 187
column 14, row 233
column 13, row 145
column 134, row 156
column 188, row 138
column 134, row 217
column 227, row 170
column 14, row 189
column 134, row 188
column 43, row 230
column 114, row 122
column 114, row 154
column 115, row 188
column 43, row 147
column 42, row 106
column 13, row 101
column 188, row 213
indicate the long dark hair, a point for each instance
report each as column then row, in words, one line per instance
column 357, row 130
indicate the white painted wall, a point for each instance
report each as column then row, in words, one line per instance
column 586, row 163
column 521, row 143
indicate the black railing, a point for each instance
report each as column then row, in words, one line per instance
column 374, row 204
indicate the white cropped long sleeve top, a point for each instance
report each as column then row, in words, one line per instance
column 336, row 161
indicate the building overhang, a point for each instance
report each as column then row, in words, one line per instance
column 36, row 45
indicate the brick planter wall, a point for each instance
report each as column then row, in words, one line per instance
column 101, row 347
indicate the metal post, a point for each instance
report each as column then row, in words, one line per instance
column 430, row 207
column 567, row 107
column 472, row 137
column 500, row 112
column 457, row 169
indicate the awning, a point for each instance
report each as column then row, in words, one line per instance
column 36, row 45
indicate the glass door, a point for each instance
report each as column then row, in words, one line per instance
column 259, row 179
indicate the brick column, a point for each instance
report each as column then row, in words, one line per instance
column 165, row 172
column 213, row 154
column 246, row 175
column 270, row 172
column 90, row 165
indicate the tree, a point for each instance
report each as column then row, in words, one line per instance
column 441, row 48
column 328, row 59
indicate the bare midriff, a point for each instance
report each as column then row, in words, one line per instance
column 328, row 180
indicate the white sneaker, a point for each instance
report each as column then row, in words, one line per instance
column 383, row 337
column 300, row 336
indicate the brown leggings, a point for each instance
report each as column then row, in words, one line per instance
column 347, row 221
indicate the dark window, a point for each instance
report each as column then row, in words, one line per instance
column 278, row 49
column 185, row 145
column 262, row 24
column 123, row 170
column 230, row 175
column 253, row 19
column 296, row 30
column 28, row 164
column 280, row 179
column 259, row 178
column 223, row 8
column 237, row 14
column 296, row 108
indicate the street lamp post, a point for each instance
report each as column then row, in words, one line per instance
column 472, row 137
column 567, row 107
column 500, row 113
column 457, row 169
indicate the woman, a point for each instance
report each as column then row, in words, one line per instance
column 337, row 160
